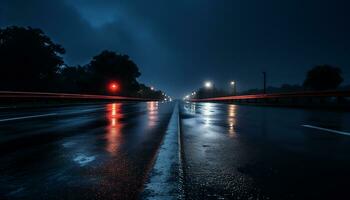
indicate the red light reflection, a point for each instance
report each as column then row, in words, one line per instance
column 231, row 120
column 152, row 108
column 113, row 136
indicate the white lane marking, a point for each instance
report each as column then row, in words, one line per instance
column 326, row 129
column 47, row 115
column 7, row 107
column 82, row 111
column 27, row 117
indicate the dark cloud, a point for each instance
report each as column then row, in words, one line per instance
column 178, row 44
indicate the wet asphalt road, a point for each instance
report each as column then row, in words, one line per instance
column 249, row 152
column 106, row 151
column 101, row 151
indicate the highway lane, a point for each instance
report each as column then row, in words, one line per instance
column 106, row 151
column 101, row 151
column 250, row 152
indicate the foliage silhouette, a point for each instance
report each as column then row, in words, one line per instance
column 147, row 92
column 110, row 66
column 212, row 92
column 74, row 79
column 29, row 60
column 323, row 77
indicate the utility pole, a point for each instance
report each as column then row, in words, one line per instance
column 235, row 89
column 233, row 86
column 264, row 73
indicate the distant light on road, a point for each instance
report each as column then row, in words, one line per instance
column 232, row 83
column 208, row 84
column 187, row 97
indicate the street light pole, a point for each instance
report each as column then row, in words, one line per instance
column 208, row 85
column 264, row 73
column 234, row 84
column 235, row 89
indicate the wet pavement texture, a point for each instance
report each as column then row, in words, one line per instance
column 250, row 152
column 224, row 151
column 101, row 151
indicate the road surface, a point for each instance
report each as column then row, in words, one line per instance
column 101, row 151
column 250, row 152
column 141, row 150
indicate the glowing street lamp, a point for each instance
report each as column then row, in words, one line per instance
column 208, row 84
column 152, row 88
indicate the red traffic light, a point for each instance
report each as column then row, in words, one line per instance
column 113, row 87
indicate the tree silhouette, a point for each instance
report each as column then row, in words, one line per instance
column 74, row 79
column 147, row 92
column 29, row 60
column 109, row 66
column 209, row 93
column 323, row 77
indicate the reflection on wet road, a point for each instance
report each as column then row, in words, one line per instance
column 107, row 151
column 247, row 152
column 113, row 136
column 101, row 151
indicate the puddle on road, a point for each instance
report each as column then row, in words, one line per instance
column 83, row 160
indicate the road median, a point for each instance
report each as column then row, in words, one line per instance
column 164, row 181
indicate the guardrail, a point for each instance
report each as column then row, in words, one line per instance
column 278, row 96
column 47, row 95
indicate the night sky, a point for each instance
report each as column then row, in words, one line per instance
column 178, row 44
